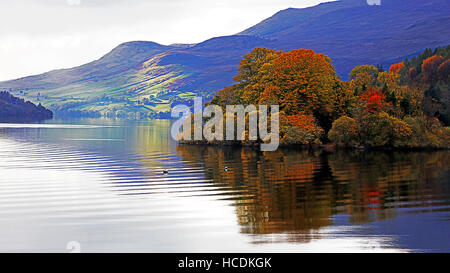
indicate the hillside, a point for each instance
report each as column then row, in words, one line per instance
column 148, row 78
column 16, row 109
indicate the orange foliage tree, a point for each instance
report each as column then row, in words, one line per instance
column 305, row 78
column 395, row 68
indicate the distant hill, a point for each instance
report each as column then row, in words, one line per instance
column 16, row 109
column 148, row 78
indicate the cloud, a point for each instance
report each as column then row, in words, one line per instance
column 73, row 2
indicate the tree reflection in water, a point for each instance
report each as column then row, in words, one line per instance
column 299, row 191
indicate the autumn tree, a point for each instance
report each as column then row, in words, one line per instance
column 341, row 100
column 363, row 78
column 254, row 75
column 270, row 95
column 373, row 100
column 305, row 78
column 395, row 68
column 396, row 94
column 412, row 74
column 430, row 67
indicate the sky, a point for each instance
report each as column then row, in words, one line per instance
column 37, row 36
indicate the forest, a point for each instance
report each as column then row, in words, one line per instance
column 17, row 109
column 406, row 106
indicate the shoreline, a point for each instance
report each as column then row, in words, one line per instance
column 330, row 147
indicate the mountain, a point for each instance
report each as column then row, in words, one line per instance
column 353, row 33
column 147, row 77
column 16, row 109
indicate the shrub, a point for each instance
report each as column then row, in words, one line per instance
column 299, row 129
column 344, row 131
column 428, row 133
column 382, row 129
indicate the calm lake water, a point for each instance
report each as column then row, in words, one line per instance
column 101, row 183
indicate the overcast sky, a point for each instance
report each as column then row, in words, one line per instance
column 40, row 35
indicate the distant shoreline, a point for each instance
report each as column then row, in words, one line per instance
column 22, row 120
